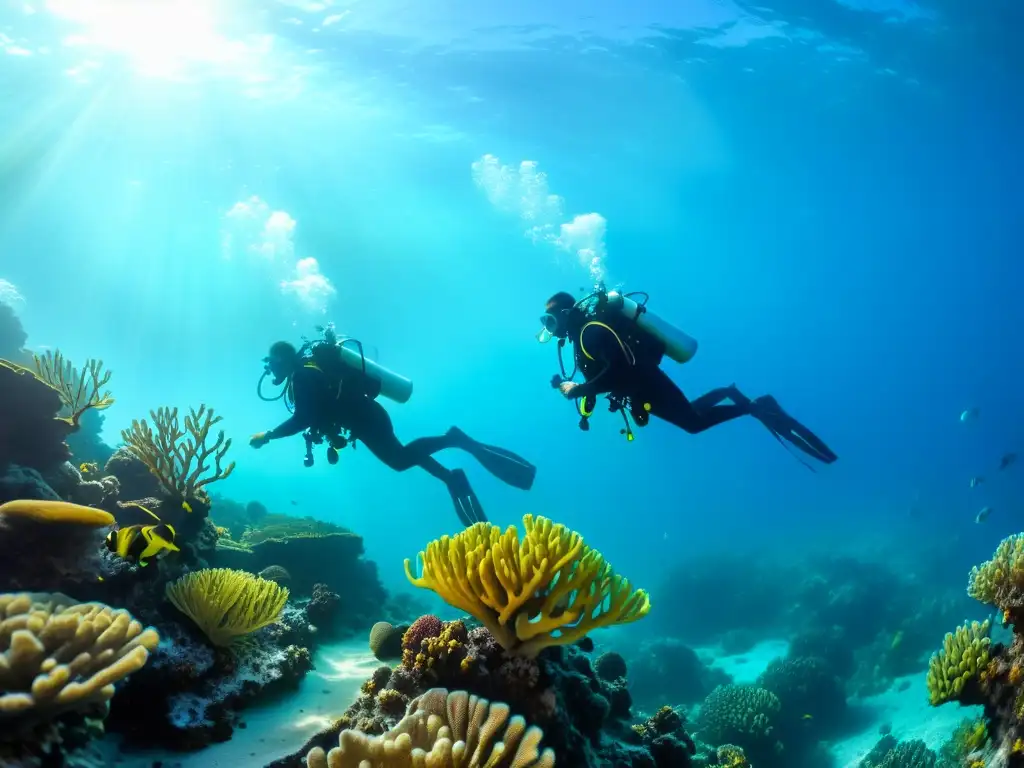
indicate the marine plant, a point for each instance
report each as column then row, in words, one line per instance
column 227, row 604
column 548, row 589
column 79, row 390
column 178, row 457
column 443, row 728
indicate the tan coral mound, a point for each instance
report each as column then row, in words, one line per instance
column 443, row 730
column 56, row 654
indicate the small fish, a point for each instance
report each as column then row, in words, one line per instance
column 1007, row 460
column 88, row 467
column 186, row 506
column 808, row 717
column 976, row 481
column 969, row 415
column 295, row 503
column 983, row 514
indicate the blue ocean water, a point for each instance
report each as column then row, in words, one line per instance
column 826, row 195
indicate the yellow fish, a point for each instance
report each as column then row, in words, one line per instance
column 186, row 506
column 143, row 543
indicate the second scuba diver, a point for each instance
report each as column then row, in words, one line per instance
column 618, row 346
column 332, row 388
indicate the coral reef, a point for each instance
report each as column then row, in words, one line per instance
column 227, row 604
column 666, row 669
column 971, row 669
column 32, row 434
column 812, row 702
column 587, row 720
column 447, row 726
column 137, row 482
column 550, row 589
column 386, row 640
column 12, row 336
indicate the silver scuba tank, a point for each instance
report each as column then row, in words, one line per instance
column 679, row 346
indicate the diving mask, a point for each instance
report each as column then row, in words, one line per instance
column 549, row 327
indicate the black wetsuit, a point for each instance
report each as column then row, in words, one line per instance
column 631, row 369
column 321, row 405
column 617, row 357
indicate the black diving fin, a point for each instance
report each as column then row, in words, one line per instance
column 767, row 410
column 504, row 465
column 467, row 505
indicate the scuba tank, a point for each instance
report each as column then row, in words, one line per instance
column 678, row 345
column 349, row 352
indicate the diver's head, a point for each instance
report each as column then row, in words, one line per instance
column 282, row 361
column 557, row 314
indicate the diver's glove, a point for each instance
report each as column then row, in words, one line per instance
column 259, row 439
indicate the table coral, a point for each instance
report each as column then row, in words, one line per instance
column 548, row 589
column 443, row 729
column 59, row 655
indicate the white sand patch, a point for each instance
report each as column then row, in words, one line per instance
column 909, row 714
column 277, row 728
column 745, row 667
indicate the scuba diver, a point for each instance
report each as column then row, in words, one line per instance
column 618, row 347
column 331, row 388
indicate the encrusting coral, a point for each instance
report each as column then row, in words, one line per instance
column 177, row 457
column 227, row 604
column 963, row 657
column 443, row 729
column 59, row 655
column 549, row 589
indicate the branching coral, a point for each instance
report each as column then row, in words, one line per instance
column 227, row 604
column 443, row 729
column 58, row 654
column 177, row 457
column 79, row 390
column 549, row 589
column 961, row 660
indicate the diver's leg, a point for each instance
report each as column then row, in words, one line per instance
column 372, row 426
column 669, row 403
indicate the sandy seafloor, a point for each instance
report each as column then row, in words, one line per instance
column 278, row 728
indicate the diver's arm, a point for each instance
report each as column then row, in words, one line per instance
column 302, row 418
column 593, row 386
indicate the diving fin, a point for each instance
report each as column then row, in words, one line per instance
column 504, row 465
column 767, row 410
column 467, row 505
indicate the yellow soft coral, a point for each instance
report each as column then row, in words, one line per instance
column 227, row 604
column 963, row 655
column 177, row 457
column 549, row 589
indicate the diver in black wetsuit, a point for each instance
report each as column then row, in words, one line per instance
column 327, row 405
column 622, row 360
